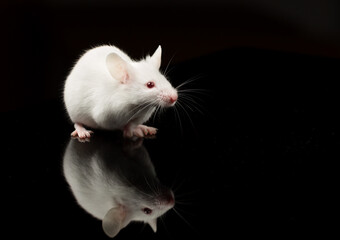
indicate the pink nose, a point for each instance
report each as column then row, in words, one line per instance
column 173, row 98
column 168, row 198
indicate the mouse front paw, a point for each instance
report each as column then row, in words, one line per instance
column 81, row 132
column 140, row 131
column 143, row 131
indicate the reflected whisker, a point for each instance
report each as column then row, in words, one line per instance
column 178, row 187
column 150, row 187
column 186, row 221
column 187, row 193
column 163, row 222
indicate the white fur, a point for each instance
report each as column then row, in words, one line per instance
column 110, row 180
column 109, row 94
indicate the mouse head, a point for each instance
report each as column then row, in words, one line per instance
column 143, row 80
column 146, row 208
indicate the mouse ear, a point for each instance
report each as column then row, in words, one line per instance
column 157, row 57
column 153, row 224
column 117, row 67
column 114, row 221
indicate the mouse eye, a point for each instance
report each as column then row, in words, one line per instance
column 147, row 211
column 150, row 84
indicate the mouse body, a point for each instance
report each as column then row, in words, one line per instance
column 108, row 90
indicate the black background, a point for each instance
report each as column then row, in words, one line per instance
column 256, row 163
column 41, row 40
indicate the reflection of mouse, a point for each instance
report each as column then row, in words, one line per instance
column 108, row 90
column 115, row 182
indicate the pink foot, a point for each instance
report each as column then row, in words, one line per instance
column 139, row 131
column 81, row 132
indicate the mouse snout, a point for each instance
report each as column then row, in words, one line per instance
column 168, row 98
column 168, row 198
column 173, row 98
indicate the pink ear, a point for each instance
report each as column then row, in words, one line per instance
column 118, row 68
column 123, row 75
column 156, row 58
column 153, row 224
column 114, row 220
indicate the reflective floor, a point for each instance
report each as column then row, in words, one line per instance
column 247, row 154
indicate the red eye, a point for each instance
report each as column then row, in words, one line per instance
column 150, row 84
column 147, row 211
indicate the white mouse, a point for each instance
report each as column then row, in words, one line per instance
column 108, row 90
column 115, row 182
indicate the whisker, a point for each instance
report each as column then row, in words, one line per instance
column 142, row 228
column 135, row 108
column 185, row 111
column 192, row 213
column 196, row 91
column 187, row 105
column 175, row 179
column 149, row 185
column 179, row 119
column 192, row 104
column 127, row 180
column 163, row 222
column 181, row 202
column 190, row 80
column 155, row 113
column 180, row 215
column 186, row 194
column 142, row 108
column 165, row 71
column 178, row 187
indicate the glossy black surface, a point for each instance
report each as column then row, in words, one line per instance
column 256, row 162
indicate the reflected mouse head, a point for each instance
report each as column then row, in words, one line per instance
column 142, row 207
column 143, row 199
